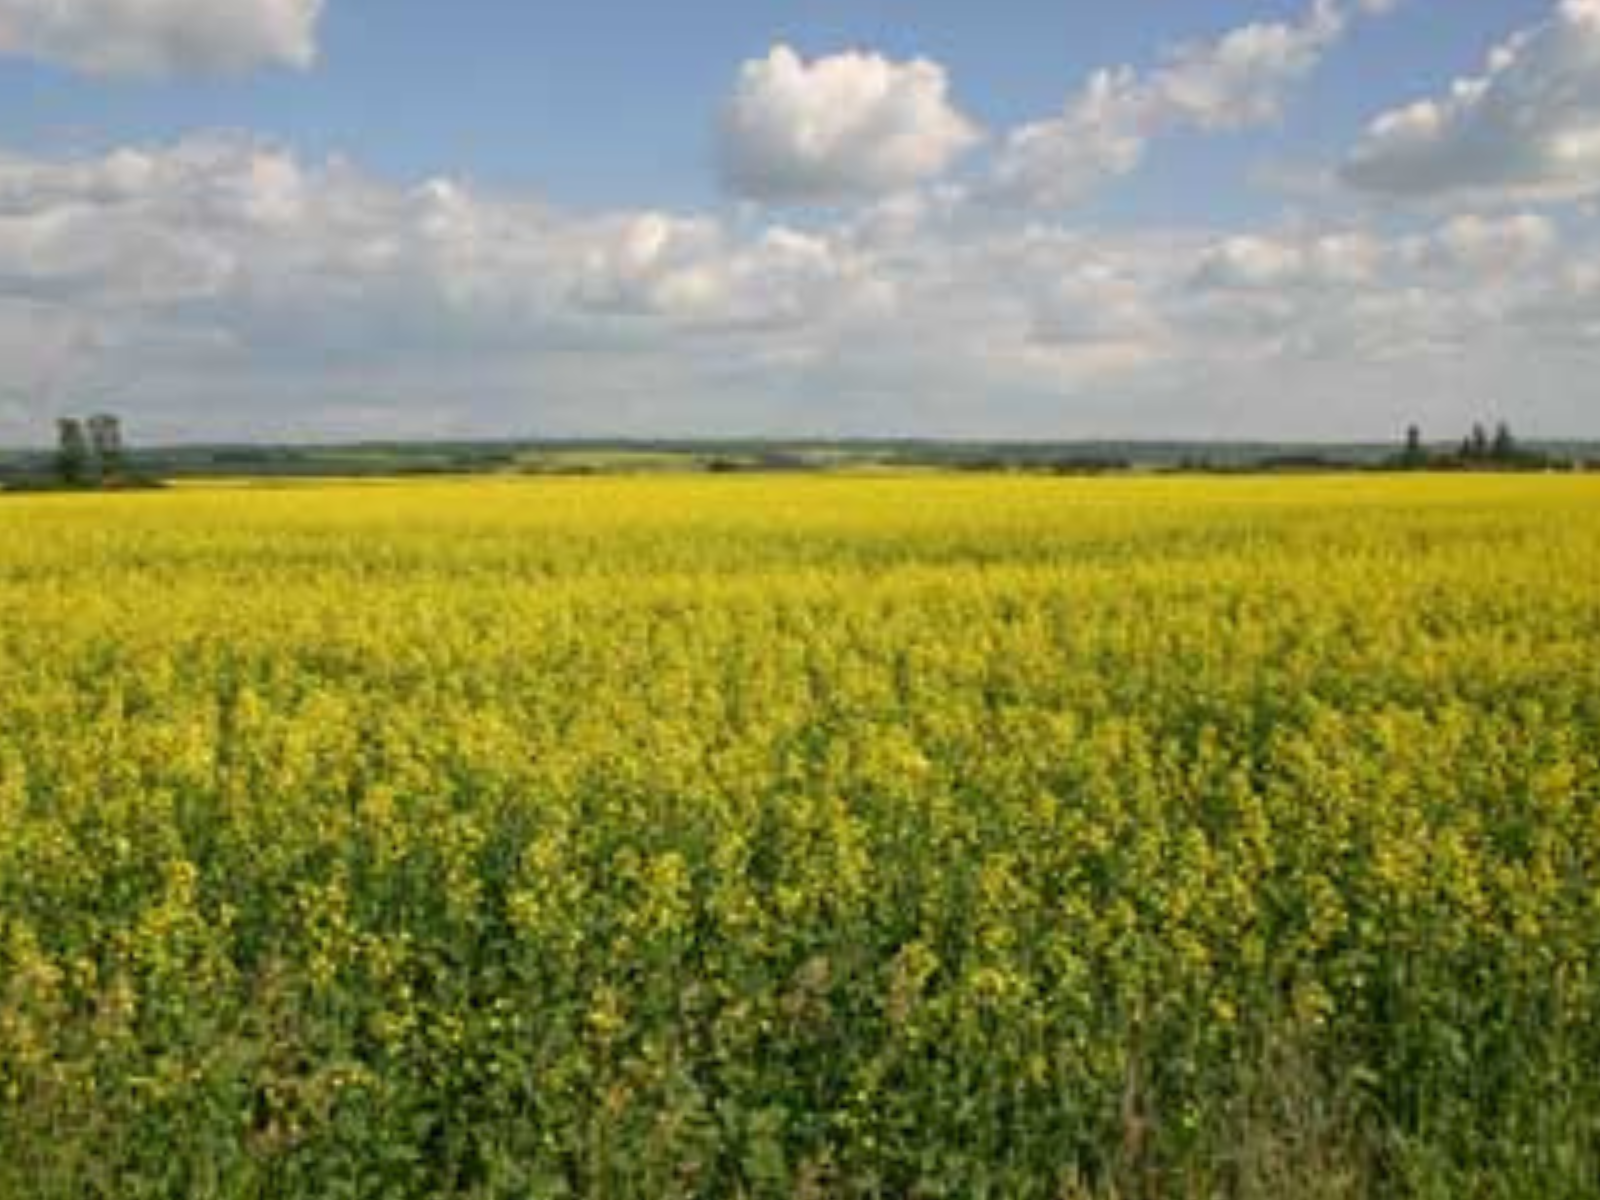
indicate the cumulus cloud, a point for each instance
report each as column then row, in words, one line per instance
column 1236, row 82
column 264, row 266
column 223, row 287
column 1451, row 294
column 222, row 226
column 1527, row 128
column 848, row 126
column 1495, row 244
column 1252, row 262
column 693, row 272
column 162, row 37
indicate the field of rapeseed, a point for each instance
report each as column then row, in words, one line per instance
column 812, row 837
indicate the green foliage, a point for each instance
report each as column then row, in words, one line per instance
column 805, row 838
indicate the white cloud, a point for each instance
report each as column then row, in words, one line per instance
column 1236, row 82
column 1271, row 263
column 1527, row 129
column 1469, row 287
column 219, row 287
column 691, row 272
column 162, row 37
column 1496, row 244
column 848, row 126
column 264, row 268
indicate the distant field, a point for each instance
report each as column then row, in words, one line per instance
column 802, row 836
column 512, row 458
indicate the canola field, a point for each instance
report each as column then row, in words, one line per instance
column 809, row 837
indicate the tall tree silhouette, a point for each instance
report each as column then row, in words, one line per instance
column 72, row 451
column 105, row 438
column 1505, row 445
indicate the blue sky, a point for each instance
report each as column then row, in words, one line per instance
column 494, row 217
column 613, row 103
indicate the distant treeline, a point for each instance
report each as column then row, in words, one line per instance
column 90, row 455
column 80, row 461
column 1480, row 450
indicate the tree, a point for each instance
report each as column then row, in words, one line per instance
column 1416, row 455
column 72, row 451
column 1479, row 443
column 105, row 437
column 1505, row 445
